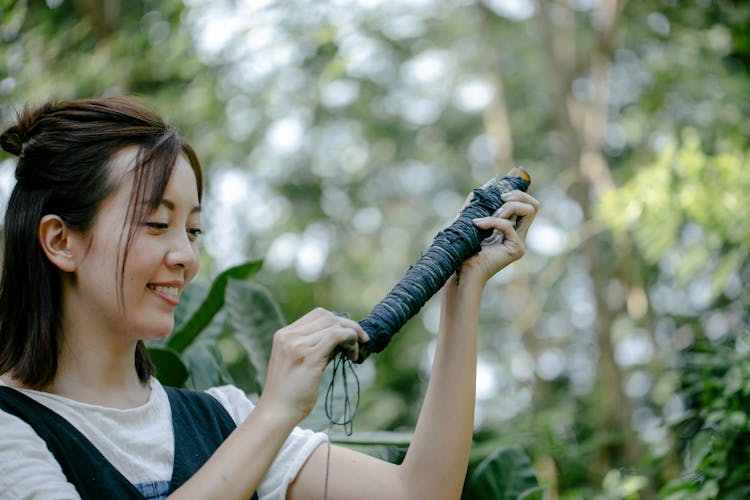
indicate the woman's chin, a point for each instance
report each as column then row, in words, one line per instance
column 161, row 332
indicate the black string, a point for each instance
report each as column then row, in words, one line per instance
column 340, row 362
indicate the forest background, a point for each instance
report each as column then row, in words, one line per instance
column 339, row 136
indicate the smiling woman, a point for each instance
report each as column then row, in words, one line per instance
column 160, row 259
column 62, row 181
column 100, row 240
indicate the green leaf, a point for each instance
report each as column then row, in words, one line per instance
column 170, row 370
column 390, row 446
column 253, row 317
column 390, row 454
column 190, row 300
column 506, row 474
column 700, row 447
column 204, row 364
column 389, row 438
column 538, row 493
column 238, row 363
column 212, row 303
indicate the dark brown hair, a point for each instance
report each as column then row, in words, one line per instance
column 64, row 150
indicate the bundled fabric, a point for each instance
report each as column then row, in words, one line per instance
column 450, row 248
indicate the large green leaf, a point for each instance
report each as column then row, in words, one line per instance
column 506, row 474
column 389, row 438
column 170, row 370
column 211, row 304
column 538, row 493
column 191, row 299
column 237, row 363
column 253, row 316
column 206, row 369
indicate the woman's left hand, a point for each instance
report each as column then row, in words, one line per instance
column 512, row 221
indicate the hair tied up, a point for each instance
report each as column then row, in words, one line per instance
column 12, row 140
column 15, row 137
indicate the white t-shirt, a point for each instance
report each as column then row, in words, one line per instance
column 137, row 441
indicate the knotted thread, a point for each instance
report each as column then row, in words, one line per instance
column 341, row 364
column 450, row 248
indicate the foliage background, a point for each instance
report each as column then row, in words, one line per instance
column 339, row 136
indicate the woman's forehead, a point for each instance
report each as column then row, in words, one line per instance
column 123, row 162
column 123, row 167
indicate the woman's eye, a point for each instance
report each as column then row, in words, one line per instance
column 194, row 232
column 158, row 226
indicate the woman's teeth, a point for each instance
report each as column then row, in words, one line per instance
column 172, row 291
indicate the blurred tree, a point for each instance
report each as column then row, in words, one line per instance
column 65, row 49
column 340, row 136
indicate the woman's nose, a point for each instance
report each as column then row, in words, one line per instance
column 182, row 252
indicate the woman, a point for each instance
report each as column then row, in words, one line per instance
column 100, row 239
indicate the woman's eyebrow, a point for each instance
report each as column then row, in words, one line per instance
column 170, row 205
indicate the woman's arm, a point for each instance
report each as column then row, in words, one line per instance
column 299, row 354
column 435, row 464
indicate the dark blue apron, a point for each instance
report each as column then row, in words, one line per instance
column 200, row 425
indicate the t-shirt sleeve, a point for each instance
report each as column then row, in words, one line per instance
column 28, row 470
column 296, row 450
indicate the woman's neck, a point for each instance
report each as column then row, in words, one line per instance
column 84, row 385
column 97, row 366
column 96, row 359
column 104, row 380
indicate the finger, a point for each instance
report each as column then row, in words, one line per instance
column 351, row 338
column 510, row 240
column 318, row 328
column 496, row 236
column 305, row 332
column 315, row 315
column 517, row 208
column 361, row 334
column 337, row 338
column 350, row 350
column 503, row 225
column 317, row 319
column 345, row 320
column 512, row 244
column 517, row 195
column 520, row 212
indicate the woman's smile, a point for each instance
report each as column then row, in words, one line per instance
column 170, row 293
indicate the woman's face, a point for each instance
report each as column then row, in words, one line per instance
column 162, row 259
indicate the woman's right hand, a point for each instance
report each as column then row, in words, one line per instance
column 299, row 354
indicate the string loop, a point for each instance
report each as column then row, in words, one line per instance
column 341, row 364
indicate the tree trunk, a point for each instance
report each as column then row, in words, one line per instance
column 583, row 124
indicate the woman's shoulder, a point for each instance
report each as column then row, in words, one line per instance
column 27, row 467
column 234, row 401
column 232, row 398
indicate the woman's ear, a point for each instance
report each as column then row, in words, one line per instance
column 56, row 240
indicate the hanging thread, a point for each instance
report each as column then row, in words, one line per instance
column 341, row 364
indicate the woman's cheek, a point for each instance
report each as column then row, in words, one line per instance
column 193, row 271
